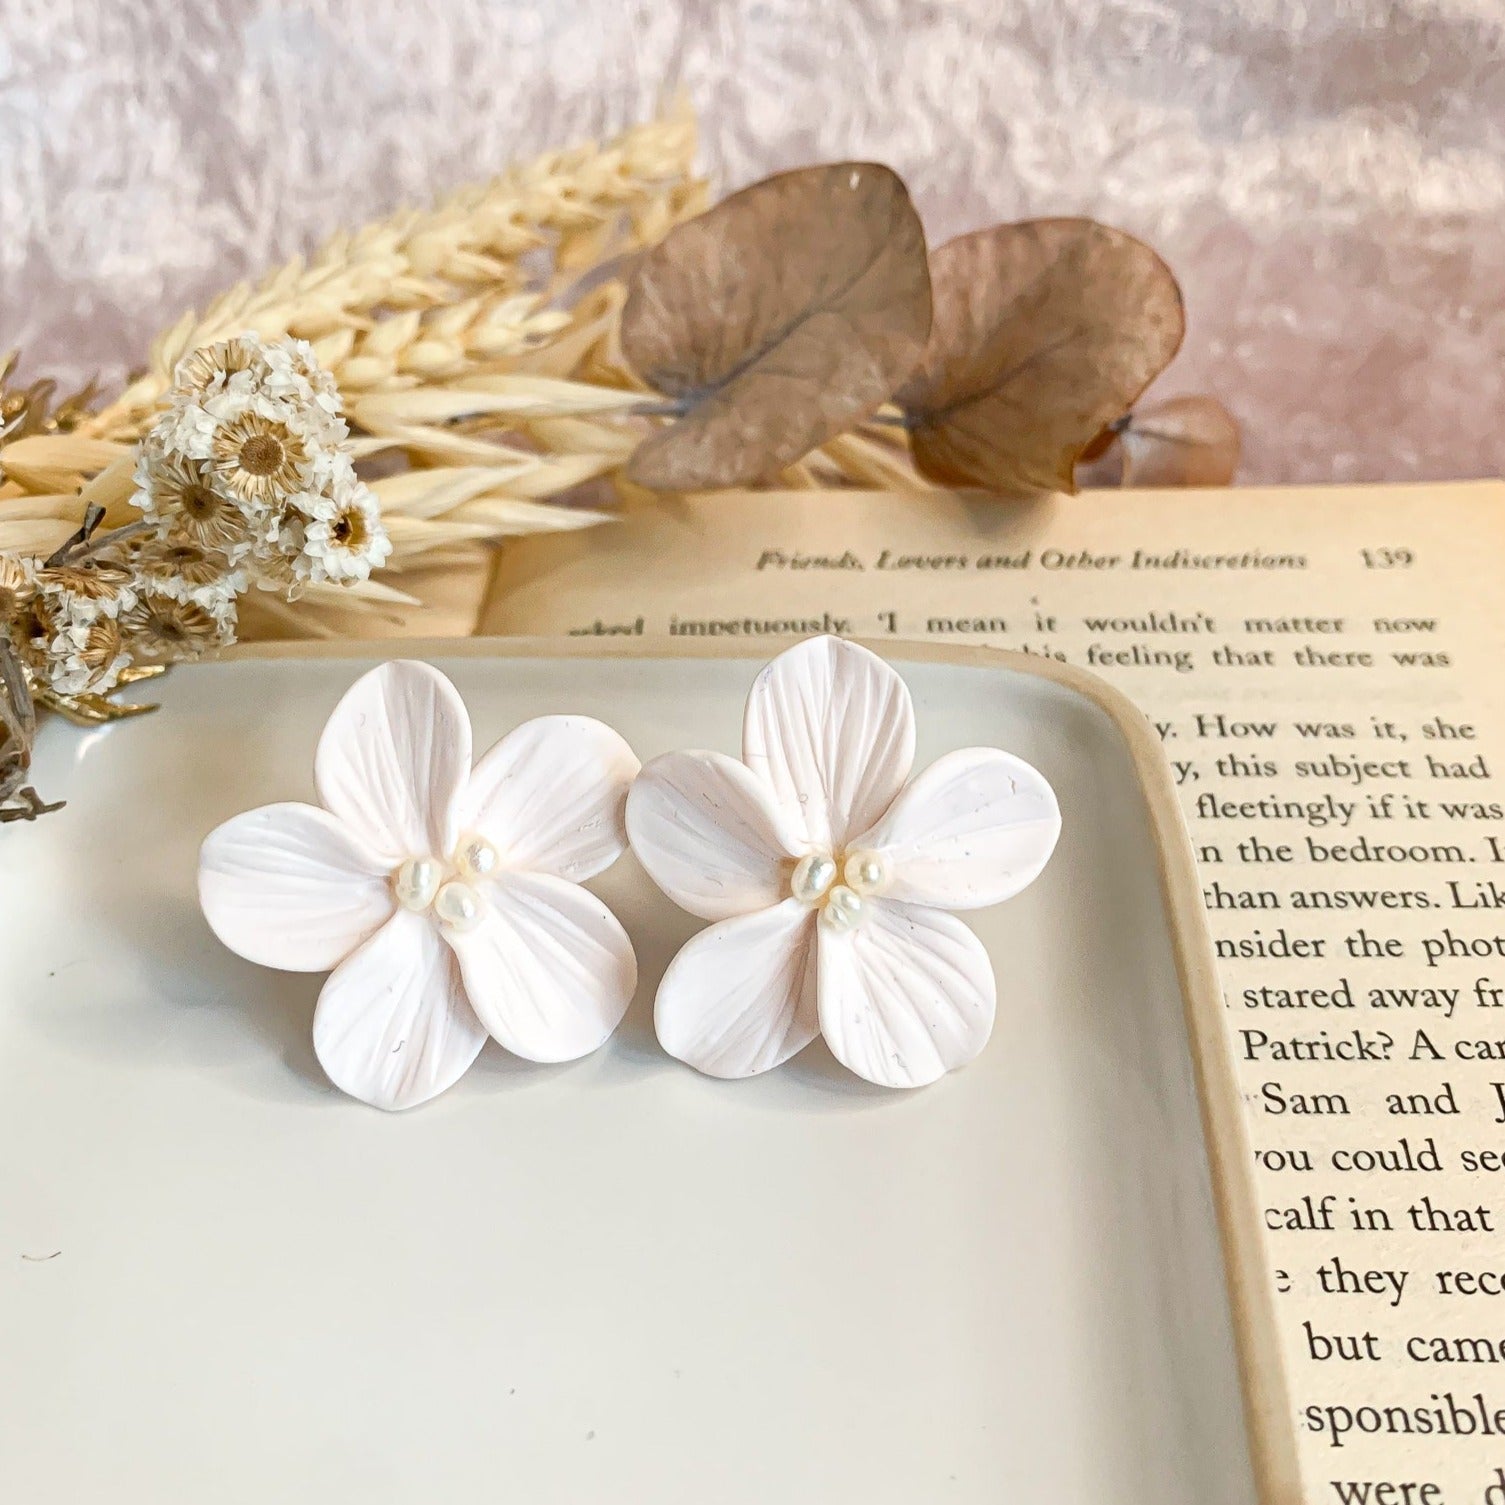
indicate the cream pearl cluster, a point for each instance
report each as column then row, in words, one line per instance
column 814, row 882
column 448, row 888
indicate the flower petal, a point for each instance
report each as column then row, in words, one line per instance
column 906, row 995
column 392, row 1026
column 393, row 758
column 550, row 795
column 710, row 834
column 740, row 996
column 287, row 886
column 830, row 726
column 549, row 970
column 974, row 828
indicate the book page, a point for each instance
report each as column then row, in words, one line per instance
column 1326, row 668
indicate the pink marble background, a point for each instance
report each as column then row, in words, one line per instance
column 1328, row 179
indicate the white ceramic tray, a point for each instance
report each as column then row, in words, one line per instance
column 616, row 1281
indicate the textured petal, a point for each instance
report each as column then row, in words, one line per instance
column 550, row 795
column 973, row 829
column 830, row 726
column 905, row 996
column 287, row 886
column 392, row 1026
column 549, row 971
column 740, row 996
column 711, row 835
column 393, row 758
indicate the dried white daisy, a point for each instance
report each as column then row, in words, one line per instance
column 70, row 638
column 87, row 656
column 186, row 429
column 344, row 540
column 105, row 583
column 258, row 459
column 210, row 368
column 160, row 628
column 180, row 494
column 293, row 372
column 182, row 570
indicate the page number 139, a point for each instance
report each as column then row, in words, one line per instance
column 1387, row 559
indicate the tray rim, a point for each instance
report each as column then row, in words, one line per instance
column 1272, row 1438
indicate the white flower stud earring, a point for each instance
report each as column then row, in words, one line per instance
column 830, row 877
column 446, row 899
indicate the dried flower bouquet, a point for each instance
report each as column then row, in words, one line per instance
column 576, row 331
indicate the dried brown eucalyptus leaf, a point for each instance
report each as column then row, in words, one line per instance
column 1044, row 332
column 1100, row 446
column 774, row 321
column 1184, row 441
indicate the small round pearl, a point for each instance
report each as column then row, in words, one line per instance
column 843, row 909
column 866, row 872
column 458, row 905
column 476, row 857
column 813, row 875
column 416, row 882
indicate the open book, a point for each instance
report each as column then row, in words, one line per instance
column 1326, row 667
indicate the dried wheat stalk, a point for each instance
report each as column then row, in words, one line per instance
column 436, row 295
